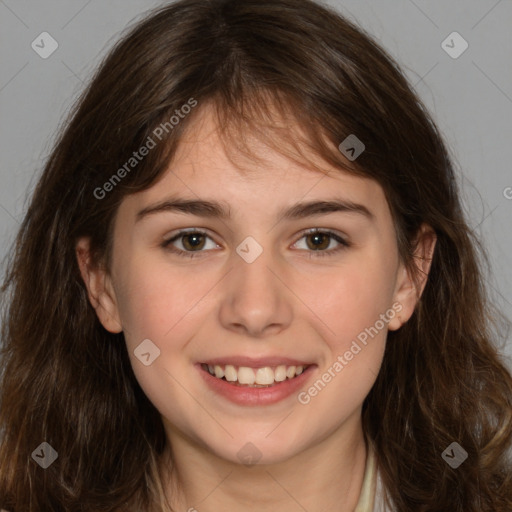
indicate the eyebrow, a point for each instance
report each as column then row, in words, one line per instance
column 214, row 209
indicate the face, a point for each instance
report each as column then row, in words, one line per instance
column 254, row 291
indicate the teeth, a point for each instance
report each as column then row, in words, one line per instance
column 280, row 373
column 263, row 376
column 246, row 376
column 290, row 372
column 230, row 373
column 254, row 377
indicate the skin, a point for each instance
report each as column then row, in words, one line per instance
column 285, row 303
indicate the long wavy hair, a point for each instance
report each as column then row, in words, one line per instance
column 67, row 381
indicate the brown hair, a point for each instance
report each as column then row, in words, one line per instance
column 69, row 382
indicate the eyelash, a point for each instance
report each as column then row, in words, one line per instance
column 315, row 254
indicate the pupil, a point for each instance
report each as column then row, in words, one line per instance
column 195, row 237
column 316, row 237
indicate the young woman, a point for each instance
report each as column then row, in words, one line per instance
column 245, row 282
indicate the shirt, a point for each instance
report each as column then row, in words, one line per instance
column 371, row 498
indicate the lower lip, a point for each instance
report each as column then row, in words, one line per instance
column 245, row 395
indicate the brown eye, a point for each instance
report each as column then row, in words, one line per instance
column 317, row 242
column 193, row 243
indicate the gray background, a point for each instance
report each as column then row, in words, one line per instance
column 470, row 96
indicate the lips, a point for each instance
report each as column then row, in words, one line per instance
column 255, row 381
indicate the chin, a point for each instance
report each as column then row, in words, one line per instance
column 250, row 450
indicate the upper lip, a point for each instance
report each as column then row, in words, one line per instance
column 256, row 362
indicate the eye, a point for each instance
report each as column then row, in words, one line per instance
column 320, row 240
column 193, row 241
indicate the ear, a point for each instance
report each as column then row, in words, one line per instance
column 409, row 288
column 99, row 287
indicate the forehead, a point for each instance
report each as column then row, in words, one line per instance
column 242, row 170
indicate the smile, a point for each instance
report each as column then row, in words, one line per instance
column 254, row 377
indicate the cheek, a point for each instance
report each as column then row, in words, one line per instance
column 350, row 306
column 162, row 305
column 351, row 299
column 157, row 302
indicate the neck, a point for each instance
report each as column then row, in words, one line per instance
column 327, row 476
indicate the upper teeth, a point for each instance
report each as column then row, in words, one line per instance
column 263, row 376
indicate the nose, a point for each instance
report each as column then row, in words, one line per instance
column 256, row 301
